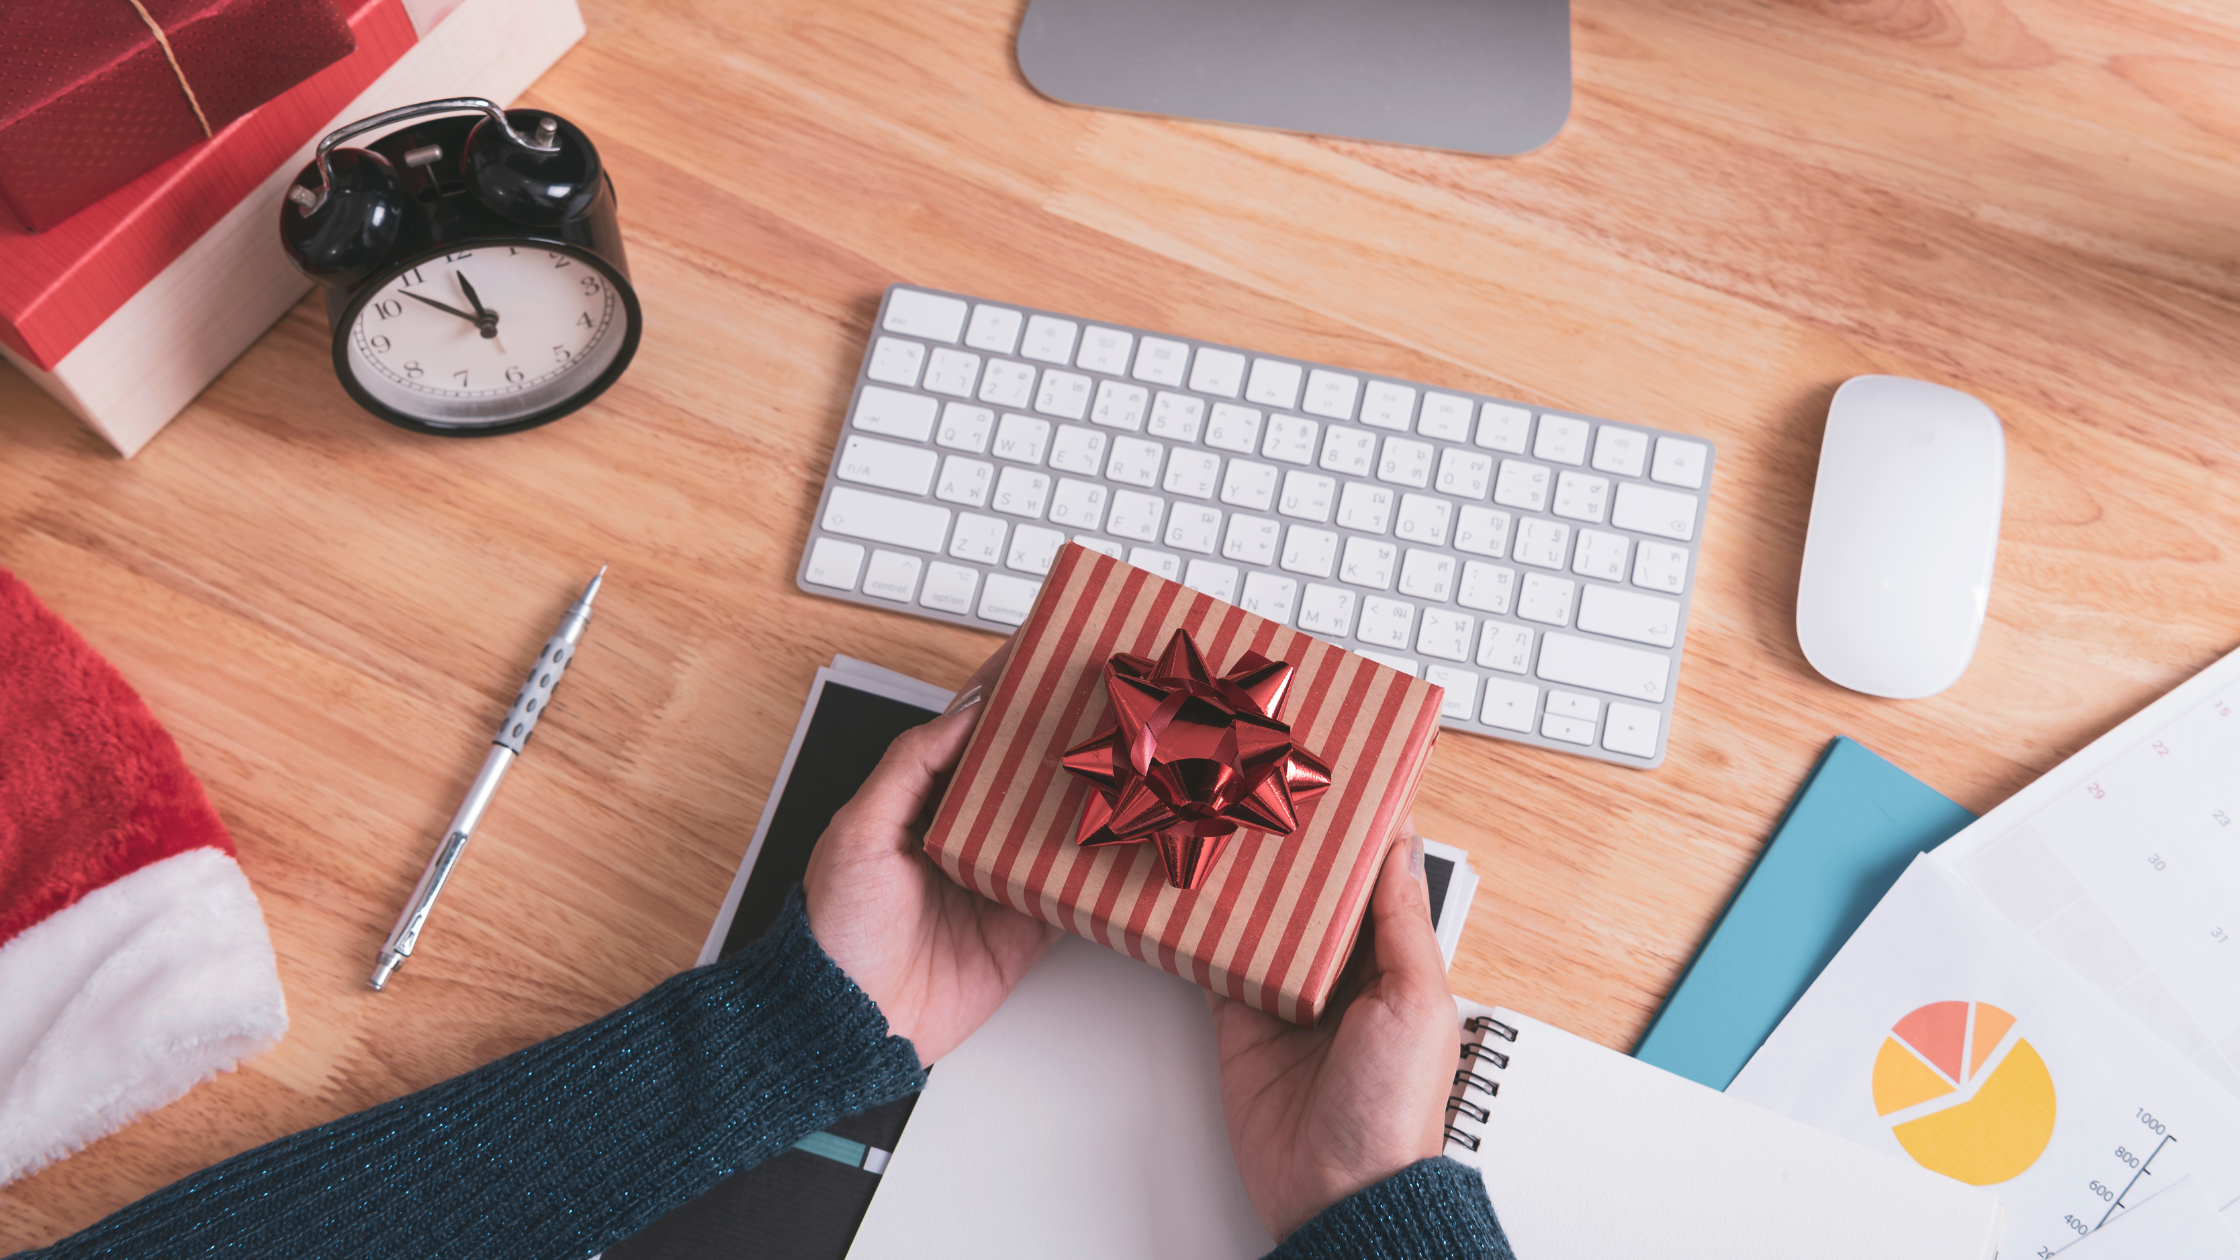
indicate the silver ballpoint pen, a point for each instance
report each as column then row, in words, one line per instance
column 513, row 734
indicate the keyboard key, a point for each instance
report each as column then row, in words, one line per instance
column 1022, row 492
column 892, row 575
column 1601, row 555
column 1648, row 510
column 1270, row 596
column 1234, row 428
column 1007, row 384
column 1571, row 704
column 1623, row 614
column 1274, row 383
column 1135, row 515
column 1482, row 532
column 1620, row 451
column 882, row 519
column 1119, row 406
column 1064, row 394
column 1078, row 504
column 995, row 330
column 1510, row 705
column 1503, row 428
column 1008, row 600
column 1033, row 549
column 1660, row 567
column 1326, row 610
column 1486, row 587
column 1445, row 417
column 1369, row 562
column 1385, row 405
column 1446, row 635
column 1104, row 350
column 1307, row 496
column 894, row 413
column 1192, row 473
column 979, row 538
column 949, row 587
column 1193, row 528
column 1160, row 361
column 952, row 372
column 834, row 563
column 1217, row 372
column 1580, row 496
column 1621, row 671
column 1078, row 450
column 928, row 315
column 1522, row 486
column 1103, row 546
column 1631, row 730
column 1569, row 730
column 1423, row 519
column 963, row 428
column 1562, row 440
column 1680, row 463
column 965, row 481
column 1388, row 623
column 1542, row 544
column 895, row 361
column 1049, row 340
column 1134, row 462
column 1165, row 564
column 1291, row 439
column 1176, row 417
column 1364, row 507
column 1506, row 648
column 1022, row 438
column 1251, row 539
column 1405, row 463
column 1392, row 660
column 1330, row 394
column 1249, row 485
column 1461, row 686
column 1545, row 599
column 1464, row 474
column 1349, row 451
column 1427, row 575
column 1217, row 580
column 1310, row 551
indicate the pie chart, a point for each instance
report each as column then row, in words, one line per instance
column 1980, row 1102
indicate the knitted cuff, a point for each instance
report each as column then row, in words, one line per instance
column 559, row 1149
column 1434, row 1209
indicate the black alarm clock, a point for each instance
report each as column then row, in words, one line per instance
column 473, row 266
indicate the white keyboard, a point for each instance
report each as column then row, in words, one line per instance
column 1537, row 564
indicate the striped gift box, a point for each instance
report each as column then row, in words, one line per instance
column 1275, row 920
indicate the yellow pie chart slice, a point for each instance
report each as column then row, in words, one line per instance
column 1993, row 1136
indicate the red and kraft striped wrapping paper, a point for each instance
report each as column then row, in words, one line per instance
column 1276, row 919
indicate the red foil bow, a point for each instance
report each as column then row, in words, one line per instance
column 1183, row 758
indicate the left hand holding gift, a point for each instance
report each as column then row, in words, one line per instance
column 936, row 957
column 1316, row 1114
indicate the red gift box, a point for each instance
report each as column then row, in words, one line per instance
column 94, row 93
column 56, row 287
column 1275, row 915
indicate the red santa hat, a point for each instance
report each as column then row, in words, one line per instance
column 134, row 962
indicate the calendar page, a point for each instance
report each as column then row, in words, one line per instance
column 2125, row 863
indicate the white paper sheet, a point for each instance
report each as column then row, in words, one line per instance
column 2072, row 1111
column 2178, row 1224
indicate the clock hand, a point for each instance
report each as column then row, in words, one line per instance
column 486, row 320
column 441, row 307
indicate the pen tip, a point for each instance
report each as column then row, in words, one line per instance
column 593, row 589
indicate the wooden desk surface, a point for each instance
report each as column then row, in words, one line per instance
column 2031, row 200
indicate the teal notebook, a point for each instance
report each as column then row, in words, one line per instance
column 1846, row 838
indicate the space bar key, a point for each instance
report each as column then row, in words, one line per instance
column 1621, row 671
column 879, row 518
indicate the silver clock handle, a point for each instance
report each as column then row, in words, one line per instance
column 308, row 200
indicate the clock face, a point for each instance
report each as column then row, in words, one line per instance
column 487, row 335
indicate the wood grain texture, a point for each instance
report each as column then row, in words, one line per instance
column 2032, row 200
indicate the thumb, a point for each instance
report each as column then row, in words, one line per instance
column 1407, row 947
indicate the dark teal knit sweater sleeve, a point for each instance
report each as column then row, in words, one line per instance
column 1434, row 1209
column 559, row 1150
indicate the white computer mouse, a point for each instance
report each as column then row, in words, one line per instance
column 1905, row 526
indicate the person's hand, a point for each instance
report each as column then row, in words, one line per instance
column 936, row 957
column 1315, row 1114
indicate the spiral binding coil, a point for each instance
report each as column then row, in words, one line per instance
column 1476, row 1057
